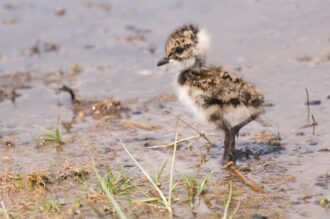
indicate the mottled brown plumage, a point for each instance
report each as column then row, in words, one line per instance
column 220, row 89
column 215, row 95
column 179, row 45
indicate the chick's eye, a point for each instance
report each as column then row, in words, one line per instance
column 179, row 50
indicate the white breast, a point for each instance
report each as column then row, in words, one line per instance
column 188, row 100
column 231, row 115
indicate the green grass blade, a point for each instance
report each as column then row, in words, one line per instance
column 158, row 174
column 174, row 186
column 202, row 185
column 148, row 177
column 185, row 178
column 53, row 136
column 109, row 195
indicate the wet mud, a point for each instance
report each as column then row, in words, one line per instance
column 78, row 77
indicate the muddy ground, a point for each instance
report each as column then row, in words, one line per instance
column 105, row 52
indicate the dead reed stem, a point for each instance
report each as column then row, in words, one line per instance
column 309, row 115
column 247, row 181
column 175, row 142
column 173, row 163
column 307, row 103
column 233, row 168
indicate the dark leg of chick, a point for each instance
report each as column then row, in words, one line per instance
column 229, row 143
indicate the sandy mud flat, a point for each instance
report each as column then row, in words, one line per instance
column 78, row 77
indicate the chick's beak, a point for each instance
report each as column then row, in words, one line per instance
column 163, row 61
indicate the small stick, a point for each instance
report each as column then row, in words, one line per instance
column 249, row 182
column 229, row 164
column 149, row 204
column 245, row 180
column 307, row 102
column 313, row 124
column 173, row 143
column 202, row 134
column 70, row 91
column 135, row 124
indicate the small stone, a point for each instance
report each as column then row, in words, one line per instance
column 258, row 216
column 268, row 105
column 60, row 11
column 313, row 143
column 314, row 102
column 300, row 134
column 324, row 150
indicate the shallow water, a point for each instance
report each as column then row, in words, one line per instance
column 282, row 47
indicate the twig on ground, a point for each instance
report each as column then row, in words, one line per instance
column 65, row 88
column 314, row 123
column 249, row 182
column 135, row 124
column 202, row 134
column 232, row 166
column 229, row 164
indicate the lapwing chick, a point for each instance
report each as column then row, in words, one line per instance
column 215, row 95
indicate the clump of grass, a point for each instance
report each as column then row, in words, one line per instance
column 167, row 202
column 324, row 202
column 53, row 136
column 17, row 181
column 78, row 203
column 49, row 205
column 201, row 186
column 31, row 181
column 36, row 179
column 191, row 184
column 117, row 182
column 194, row 187
column 227, row 204
column 164, row 201
column 109, row 195
column 76, row 173
column 76, row 69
